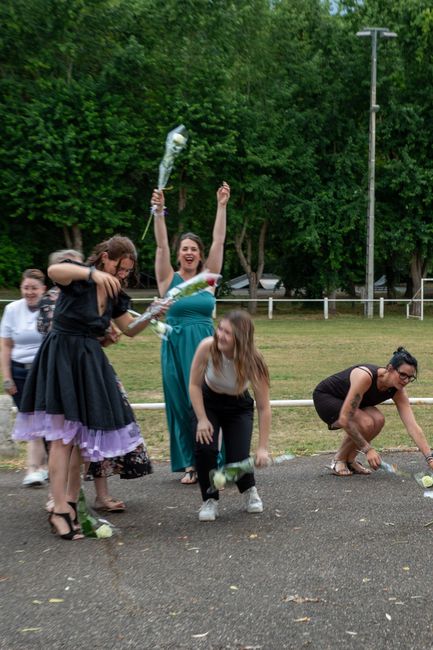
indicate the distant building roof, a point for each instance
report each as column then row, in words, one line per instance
column 268, row 281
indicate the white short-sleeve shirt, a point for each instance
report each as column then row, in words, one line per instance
column 19, row 324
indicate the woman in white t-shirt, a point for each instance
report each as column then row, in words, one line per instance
column 20, row 341
column 223, row 367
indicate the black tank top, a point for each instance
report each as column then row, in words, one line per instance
column 338, row 385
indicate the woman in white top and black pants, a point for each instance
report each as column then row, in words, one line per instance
column 221, row 371
column 20, row 341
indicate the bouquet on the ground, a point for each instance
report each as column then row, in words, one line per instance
column 424, row 479
column 199, row 282
column 92, row 526
column 174, row 143
column 232, row 472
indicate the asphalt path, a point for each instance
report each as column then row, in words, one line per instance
column 331, row 563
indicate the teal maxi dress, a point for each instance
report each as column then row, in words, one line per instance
column 191, row 320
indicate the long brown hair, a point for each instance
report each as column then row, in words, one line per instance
column 117, row 248
column 248, row 361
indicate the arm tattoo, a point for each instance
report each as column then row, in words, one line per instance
column 354, row 404
column 352, row 429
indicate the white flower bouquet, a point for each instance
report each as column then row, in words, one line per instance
column 199, row 282
column 232, row 472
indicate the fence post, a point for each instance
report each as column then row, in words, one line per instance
column 325, row 308
column 270, row 307
column 381, row 307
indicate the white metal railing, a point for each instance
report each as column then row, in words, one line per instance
column 291, row 403
column 155, row 406
column 271, row 301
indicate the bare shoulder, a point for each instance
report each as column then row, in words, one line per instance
column 205, row 345
column 361, row 376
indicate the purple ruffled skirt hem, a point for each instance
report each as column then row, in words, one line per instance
column 94, row 444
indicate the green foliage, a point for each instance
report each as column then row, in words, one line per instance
column 275, row 96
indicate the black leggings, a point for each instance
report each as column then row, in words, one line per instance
column 234, row 415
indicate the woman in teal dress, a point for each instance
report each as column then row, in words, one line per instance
column 191, row 320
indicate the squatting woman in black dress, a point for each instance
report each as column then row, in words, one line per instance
column 348, row 400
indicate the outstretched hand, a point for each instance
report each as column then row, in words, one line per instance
column 223, row 194
column 374, row 460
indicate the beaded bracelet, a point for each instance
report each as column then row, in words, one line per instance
column 163, row 214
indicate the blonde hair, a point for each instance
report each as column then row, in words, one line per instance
column 249, row 363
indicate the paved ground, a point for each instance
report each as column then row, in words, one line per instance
column 331, row 563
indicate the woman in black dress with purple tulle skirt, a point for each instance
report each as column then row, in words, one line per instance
column 71, row 396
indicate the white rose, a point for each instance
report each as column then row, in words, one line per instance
column 179, row 139
column 427, row 481
column 104, row 531
column 159, row 327
column 219, row 480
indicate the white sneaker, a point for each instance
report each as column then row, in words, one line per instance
column 253, row 502
column 209, row 510
column 35, row 479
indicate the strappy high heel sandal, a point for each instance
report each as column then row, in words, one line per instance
column 72, row 534
column 75, row 522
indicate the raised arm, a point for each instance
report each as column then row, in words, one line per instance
column 198, row 369
column 360, row 382
column 214, row 261
column 405, row 412
column 66, row 273
column 163, row 268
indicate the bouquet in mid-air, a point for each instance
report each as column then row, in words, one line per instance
column 176, row 141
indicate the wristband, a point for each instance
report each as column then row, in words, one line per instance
column 429, row 457
column 163, row 213
column 92, row 268
column 366, row 448
column 8, row 384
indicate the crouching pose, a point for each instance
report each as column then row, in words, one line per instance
column 222, row 368
column 348, row 399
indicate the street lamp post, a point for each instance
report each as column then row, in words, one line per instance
column 373, row 33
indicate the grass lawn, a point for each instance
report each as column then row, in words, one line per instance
column 300, row 351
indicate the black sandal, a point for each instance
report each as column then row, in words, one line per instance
column 72, row 535
column 75, row 521
column 189, row 478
